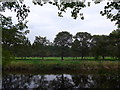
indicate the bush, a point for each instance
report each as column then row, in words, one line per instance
column 7, row 57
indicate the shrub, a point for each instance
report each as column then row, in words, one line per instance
column 7, row 57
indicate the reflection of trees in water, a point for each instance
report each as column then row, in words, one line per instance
column 107, row 81
column 36, row 81
column 61, row 82
column 83, row 81
column 96, row 81
column 25, row 81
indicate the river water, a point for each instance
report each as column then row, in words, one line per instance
column 60, row 81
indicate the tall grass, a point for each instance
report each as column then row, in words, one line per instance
column 58, row 65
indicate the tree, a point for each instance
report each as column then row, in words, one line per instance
column 17, row 6
column 62, row 6
column 39, row 46
column 109, row 11
column 115, row 39
column 14, row 34
column 99, row 45
column 11, row 35
column 75, row 5
column 23, row 49
column 7, row 57
column 84, row 39
column 75, row 49
column 63, row 39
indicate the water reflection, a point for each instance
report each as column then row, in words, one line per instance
column 96, row 81
column 60, row 82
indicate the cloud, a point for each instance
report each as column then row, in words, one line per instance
column 44, row 21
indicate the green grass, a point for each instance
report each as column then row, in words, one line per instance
column 59, row 58
column 55, row 64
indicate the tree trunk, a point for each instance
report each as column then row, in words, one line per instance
column 62, row 58
column 62, row 53
column 82, row 57
column 96, row 57
column 103, row 57
column 42, row 58
column 62, row 80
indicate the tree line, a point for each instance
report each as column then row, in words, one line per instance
column 83, row 45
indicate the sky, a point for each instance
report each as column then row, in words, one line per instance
column 44, row 21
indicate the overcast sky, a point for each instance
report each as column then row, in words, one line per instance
column 44, row 21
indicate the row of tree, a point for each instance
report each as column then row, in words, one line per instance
column 82, row 45
column 14, row 40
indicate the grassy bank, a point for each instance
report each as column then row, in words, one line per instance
column 65, row 58
column 58, row 65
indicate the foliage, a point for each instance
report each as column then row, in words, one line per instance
column 62, row 6
column 13, row 35
column 39, row 45
column 84, row 39
column 63, row 40
column 112, row 11
column 82, row 44
column 16, row 6
column 15, row 41
column 75, row 49
column 99, row 45
column 115, row 40
column 7, row 57
column 77, row 5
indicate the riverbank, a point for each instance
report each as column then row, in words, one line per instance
column 58, row 65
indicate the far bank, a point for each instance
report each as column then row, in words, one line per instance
column 58, row 65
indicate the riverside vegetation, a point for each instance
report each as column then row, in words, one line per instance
column 68, row 65
column 83, row 44
column 82, row 53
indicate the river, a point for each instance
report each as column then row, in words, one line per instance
column 60, row 81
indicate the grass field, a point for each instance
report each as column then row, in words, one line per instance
column 59, row 58
column 55, row 64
